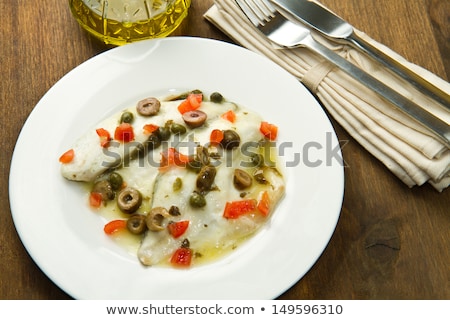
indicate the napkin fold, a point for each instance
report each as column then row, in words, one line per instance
column 409, row 150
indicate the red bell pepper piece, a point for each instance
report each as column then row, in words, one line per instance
column 105, row 137
column 216, row 136
column 172, row 157
column 264, row 204
column 182, row 257
column 235, row 209
column 177, row 229
column 270, row 131
column 230, row 116
column 192, row 102
column 67, row 156
column 150, row 128
column 124, row 132
column 95, row 199
column 114, row 226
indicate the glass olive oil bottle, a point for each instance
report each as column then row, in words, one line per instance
column 118, row 22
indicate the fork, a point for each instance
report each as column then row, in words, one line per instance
column 285, row 33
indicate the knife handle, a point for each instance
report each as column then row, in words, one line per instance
column 416, row 80
column 440, row 128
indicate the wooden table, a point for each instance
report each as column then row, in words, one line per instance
column 391, row 242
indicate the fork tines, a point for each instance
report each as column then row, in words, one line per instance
column 259, row 12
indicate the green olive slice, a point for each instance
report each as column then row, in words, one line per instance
column 129, row 200
column 195, row 118
column 155, row 218
column 148, row 107
column 241, row 179
column 136, row 224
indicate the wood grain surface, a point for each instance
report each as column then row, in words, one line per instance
column 391, row 242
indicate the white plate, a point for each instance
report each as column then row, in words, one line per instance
column 65, row 237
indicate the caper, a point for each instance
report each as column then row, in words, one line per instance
column 202, row 155
column 194, row 165
column 241, row 179
column 174, row 211
column 177, row 184
column 197, row 91
column 104, row 188
column 153, row 141
column 127, row 117
column 163, row 133
column 129, row 200
column 215, row 155
column 259, row 177
column 197, row 200
column 257, row 160
column 136, row 224
column 177, row 128
column 185, row 243
column 216, row 97
column 115, row 180
column 205, row 178
column 184, row 95
column 180, row 96
column 231, row 139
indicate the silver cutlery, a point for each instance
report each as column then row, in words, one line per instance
column 333, row 27
column 285, row 33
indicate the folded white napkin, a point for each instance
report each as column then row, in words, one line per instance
column 408, row 149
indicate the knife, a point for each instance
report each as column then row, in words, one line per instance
column 330, row 25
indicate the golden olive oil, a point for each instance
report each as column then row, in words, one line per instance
column 118, row 22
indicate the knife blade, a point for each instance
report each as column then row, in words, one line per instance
column 332, row 26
